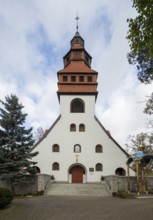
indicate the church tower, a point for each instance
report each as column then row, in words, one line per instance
column 77, row 148
column 77, row 77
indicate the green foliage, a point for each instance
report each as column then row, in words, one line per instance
column 52, row 177
column 142, row 139
column 102, row 178
column 6, row 197
column 114, row 194
column 40, row 193
column 150, row 191
column 149, row 105
column 15, row 143
column 134, row 142
column 140, row 37
column 123, row 194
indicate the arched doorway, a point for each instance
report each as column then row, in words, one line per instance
column 77, row 173
column 120, row 172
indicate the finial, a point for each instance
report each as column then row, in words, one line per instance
column 77, row 18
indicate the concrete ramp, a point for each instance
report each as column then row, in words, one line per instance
column 71, row 189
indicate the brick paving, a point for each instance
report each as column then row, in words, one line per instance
column 80, row 208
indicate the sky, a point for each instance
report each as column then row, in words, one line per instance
column 34, row 37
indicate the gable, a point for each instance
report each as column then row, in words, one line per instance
column 109, row 135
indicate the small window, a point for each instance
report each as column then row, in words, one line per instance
column 64, row 78
column 77, row 148
column 120, row 172
column 81, row 78
column 99, row 167
column 77, row 55
column 55, row 166
column 89, row 78
column 81, row 127
column 77, row 106
column 99, row 149
column 86, row 58
column 73, row 78
column 67, row 59
column 55, row 148
column 72, row 127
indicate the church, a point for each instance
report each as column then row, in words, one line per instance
column 77, row 148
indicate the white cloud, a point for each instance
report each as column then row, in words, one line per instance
column 124, row 112
column 36, row 34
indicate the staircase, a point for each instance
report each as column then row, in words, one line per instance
column 68, row 189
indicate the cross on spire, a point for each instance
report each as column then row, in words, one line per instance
column 77, row 18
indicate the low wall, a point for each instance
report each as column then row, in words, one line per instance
column 39, row 184
column 31, row 188
column 116, row 183
column 43, row 181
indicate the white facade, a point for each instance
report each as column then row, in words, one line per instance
column 111, row 157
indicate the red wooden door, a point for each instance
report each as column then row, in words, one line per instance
column 77, row 174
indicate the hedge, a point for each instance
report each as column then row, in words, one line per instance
column 6, row 197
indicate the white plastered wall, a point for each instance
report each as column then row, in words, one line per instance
column 111, row 158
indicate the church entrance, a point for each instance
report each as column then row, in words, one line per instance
column 77, row 174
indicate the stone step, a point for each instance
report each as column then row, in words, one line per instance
column 88, row 189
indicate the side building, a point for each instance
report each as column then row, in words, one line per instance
column 77, row 148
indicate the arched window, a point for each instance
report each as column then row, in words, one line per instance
column 72, row 127
column 77, row 106
column 99, row 148
column 37, row 169
column 81, row 127
column 120, row 172
column 55, row 166
column 55, row 148
column 77, row 148
column 99, row 167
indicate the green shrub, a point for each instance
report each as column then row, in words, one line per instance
column 6, row 197
column 40, row 193
column 114, row 194
column 123, row 194
column 150, row 191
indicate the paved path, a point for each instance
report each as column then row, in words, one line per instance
column 78, row 208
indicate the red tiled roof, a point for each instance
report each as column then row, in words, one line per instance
column 77, row 66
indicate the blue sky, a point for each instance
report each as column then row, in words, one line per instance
column 36, row 34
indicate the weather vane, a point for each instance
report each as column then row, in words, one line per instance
column 77, row 18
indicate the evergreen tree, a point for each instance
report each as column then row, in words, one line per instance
column 15, row 143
